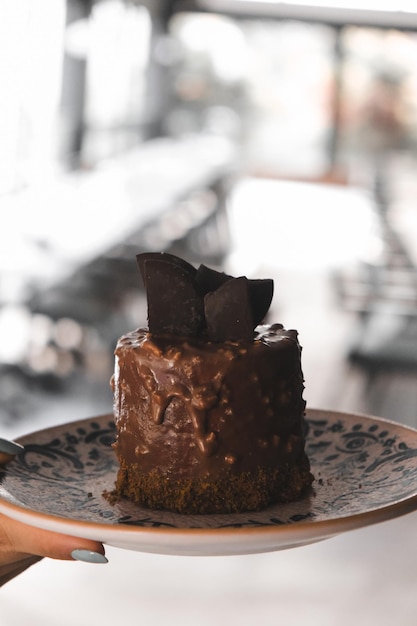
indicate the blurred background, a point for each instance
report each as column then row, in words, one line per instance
column 262, row 138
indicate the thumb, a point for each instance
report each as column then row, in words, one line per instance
column 17, row 539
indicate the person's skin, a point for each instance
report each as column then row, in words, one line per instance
column 22, row 545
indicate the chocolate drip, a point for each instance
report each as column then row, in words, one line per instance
column 197, row 400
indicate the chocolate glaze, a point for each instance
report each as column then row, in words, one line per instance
column 187, row 406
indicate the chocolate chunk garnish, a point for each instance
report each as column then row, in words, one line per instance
column 260, row 290
column 228, row 312
column 183, row 300
column 260, row 296
column 163, row 256
column 208, row 279
column 174, row 305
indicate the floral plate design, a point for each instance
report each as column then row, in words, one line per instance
column 365, row 472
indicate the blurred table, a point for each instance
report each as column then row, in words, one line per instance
column 55, row 229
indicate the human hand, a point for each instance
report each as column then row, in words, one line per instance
column 22, row 545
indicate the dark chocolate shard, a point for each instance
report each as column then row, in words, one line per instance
column 228, row 312
column 208, row 279
column 163, row 256
column 174, row 305
column 261, row 292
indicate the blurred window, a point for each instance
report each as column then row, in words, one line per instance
column 379, row 92
column 268, row 83
column 118, row 42
column 63, row 76
column 31, row 43
column 80, row 84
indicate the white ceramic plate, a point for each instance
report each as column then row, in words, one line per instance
column 365, row 470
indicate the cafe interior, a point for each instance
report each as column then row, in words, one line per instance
column 267, row 139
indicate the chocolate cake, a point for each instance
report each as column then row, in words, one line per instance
column 208, row 404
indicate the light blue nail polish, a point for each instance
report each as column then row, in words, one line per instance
column 10, row 447
column 88, row 556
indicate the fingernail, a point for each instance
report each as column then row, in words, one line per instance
column 10, row 447
column 88, row 556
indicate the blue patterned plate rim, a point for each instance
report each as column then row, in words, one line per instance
column 365, row 472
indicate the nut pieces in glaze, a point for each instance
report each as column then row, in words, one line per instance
column 189, row 302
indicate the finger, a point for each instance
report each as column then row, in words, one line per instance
column 8, row 450
column 18, row 539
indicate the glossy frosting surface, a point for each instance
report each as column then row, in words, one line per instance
column 193, row 405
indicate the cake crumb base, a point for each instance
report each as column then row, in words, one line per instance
column 231, row 493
